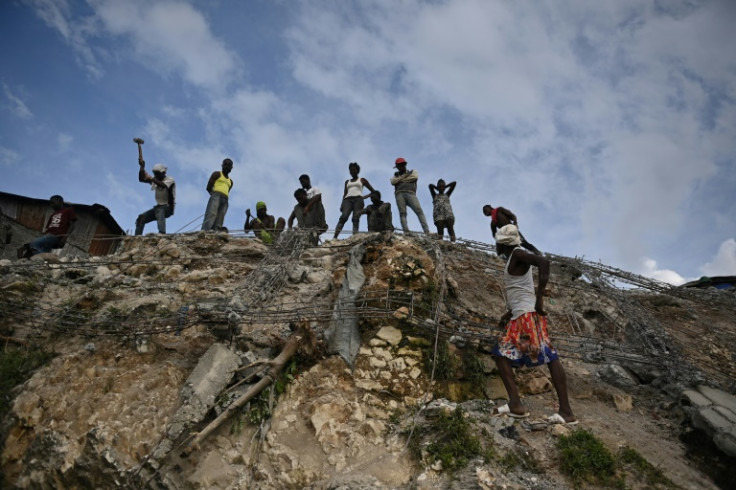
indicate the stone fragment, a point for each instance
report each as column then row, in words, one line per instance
column 368, row 384
column 218, row 276
column 382, row 353
column 694, row 398
column 710, row 421
column 401, row 313
column 623, row 402
column 173, row 272
column 616, row 375
column 390, row 334
column 418, row 341
column 405, row 351
column 718, row 397
column 375, row 362
column 377, row 343
column 726, row 442
column 397, row 364
column 535, row 386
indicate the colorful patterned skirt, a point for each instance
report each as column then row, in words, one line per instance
column 526, row 341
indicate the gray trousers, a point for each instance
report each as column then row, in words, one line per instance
column 404, row 199
column 214, row 215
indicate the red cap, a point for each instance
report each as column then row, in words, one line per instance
column 399, row 160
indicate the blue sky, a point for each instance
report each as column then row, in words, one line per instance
column 607, row 127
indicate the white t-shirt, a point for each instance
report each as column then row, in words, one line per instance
column 313, row 191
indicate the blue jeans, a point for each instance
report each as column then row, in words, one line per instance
column 214, row 215
column 404, row 199
column 44, row 244
column 158, row 213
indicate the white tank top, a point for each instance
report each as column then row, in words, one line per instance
column 519, row 291
column 355, row 189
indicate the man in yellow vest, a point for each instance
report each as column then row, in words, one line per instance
column 219, row 187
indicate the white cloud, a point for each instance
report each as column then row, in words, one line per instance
column 648, row 268
column 8, row 157
column 170, row 36
column 64, row 141
column 15, row 104
column 724, row 262
column 57, row 14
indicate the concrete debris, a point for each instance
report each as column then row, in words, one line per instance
column 150, row 340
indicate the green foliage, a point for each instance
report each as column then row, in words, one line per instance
column 428, row 295
column 653, row 476
column 473, row 369
column 455, row 445
column 446, row 361
column 585, row 459
column 259, row 408
column 16, row 366
column 452, row 441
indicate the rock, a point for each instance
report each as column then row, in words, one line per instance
column 718, row 397
column 390, row 334
column 418, row 341
column 401, row 313
column 558, row 430
column 726, row 442
column 382, row 353
column 710, row 421
column 374, row 362
column 102, row 275
column 173, row 272
column 196, row 276
column 213, row 372
column 616, row 375
column 623, row 402
column 695, row 399
column 218, row 276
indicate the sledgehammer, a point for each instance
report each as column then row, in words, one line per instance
column 139, row 141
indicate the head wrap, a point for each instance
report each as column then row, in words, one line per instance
column 508, row 235
column 260, row 204
column 159, row 167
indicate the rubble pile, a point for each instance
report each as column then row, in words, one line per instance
column 154, row 342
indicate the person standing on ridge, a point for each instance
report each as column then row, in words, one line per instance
column 442, row 209
column 219, row 187
column 501, row 217
column 352, row 199
column 164, row 189
column 405, row 191
column 525, row 339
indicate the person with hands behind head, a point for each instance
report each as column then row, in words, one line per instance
column 525, row 339
column 164, row 189
column 442, row 209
